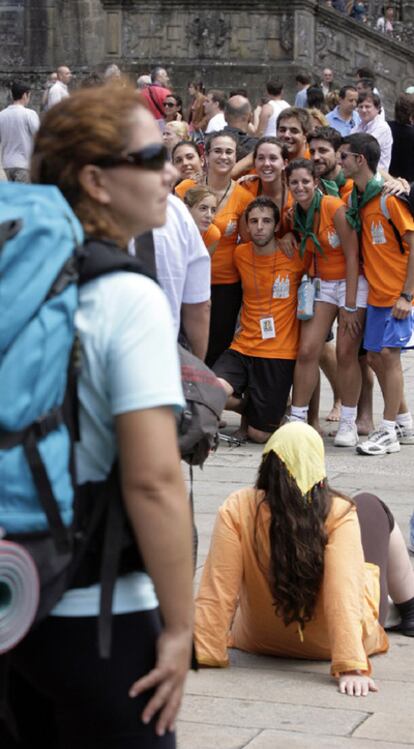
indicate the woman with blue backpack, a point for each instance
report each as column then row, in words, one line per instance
column 103, row 150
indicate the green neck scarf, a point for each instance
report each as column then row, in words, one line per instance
column 357, row 200
column 332, row 186
column 303, row 223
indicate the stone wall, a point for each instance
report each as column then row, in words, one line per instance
column 237, row 43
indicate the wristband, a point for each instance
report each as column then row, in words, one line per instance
column 350, row 309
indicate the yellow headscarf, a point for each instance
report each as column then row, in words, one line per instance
column 302, row 451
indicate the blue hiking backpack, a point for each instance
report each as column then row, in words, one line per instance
column 39, row 237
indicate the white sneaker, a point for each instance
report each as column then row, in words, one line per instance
column 405, row 435
column 347, row 434
column 379, row 442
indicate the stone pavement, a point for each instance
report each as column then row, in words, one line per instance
column 271, row 703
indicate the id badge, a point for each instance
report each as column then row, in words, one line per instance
column 267, row 327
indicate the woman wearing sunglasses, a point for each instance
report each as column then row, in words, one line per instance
column 340, row 289
column 232, row 199
column 173, row 108
column 299, row 570
column 111, row 166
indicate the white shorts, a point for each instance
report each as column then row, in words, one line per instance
column 333, row 292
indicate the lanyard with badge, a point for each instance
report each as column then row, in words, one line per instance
column 279, row 290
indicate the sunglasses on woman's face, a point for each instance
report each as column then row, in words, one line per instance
column 170, row 104
column 151, row 157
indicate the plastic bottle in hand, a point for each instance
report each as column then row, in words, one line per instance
column 306, row 299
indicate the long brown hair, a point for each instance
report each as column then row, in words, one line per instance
column 297, row 539
column 88, row 125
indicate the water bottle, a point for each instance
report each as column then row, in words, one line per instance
column 306, row 299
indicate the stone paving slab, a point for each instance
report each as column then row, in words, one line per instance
column 284, row 740
column 251, row 713
column 379, row 725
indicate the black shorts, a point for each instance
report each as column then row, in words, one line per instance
column 267, row 380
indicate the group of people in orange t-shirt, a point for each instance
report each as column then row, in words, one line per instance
column 294, row 212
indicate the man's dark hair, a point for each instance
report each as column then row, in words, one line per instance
column 404, row 109
column 239, row 92
column 274, row 88
column 374, row 98
column 366, row 73
column 301, row 114
column 344, row 90
column 315, row 97
column 367, row 146
column 218, row 96
column 303, row 78
column 329, row 134
column 263, row 202
column 367, row 83
column 18, row 89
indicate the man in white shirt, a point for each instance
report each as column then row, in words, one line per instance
column 369, row 108
column 183, row 271
column 59, row 90
column 18, row 125
column 214, row 108
column 271, row 110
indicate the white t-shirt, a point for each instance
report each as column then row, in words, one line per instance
column 216, row 123
column 278, row 107
column 18, row 125
column 129, row 362
column 182, row 259
column 57, row 92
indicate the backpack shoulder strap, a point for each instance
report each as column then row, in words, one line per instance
column 101, row 256
column 386, row 213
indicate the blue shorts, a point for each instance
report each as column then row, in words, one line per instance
column 382, row 330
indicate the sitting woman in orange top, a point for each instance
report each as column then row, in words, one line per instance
column 296, row 569
column 232, row 199
column 202, row 204
column 321, row 227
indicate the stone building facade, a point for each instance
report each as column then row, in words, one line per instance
column 226, row 44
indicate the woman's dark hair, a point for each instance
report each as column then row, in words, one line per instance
column 404, row 109
column 220, row 134
column 315, row 98
column 189, row 143
column 178, row 100
column 274, row 141
column 297, row 538
column 300, row 164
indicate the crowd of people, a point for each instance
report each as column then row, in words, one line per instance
column 282, row 240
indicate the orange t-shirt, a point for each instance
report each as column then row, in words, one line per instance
column 211, row 236
column 270, row 285
column 384, row 265
column 182, row 187
column 346, row 189
column 330, row 266
column 254, row 188
column 227, row 219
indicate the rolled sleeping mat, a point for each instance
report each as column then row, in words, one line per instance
column 19, row 593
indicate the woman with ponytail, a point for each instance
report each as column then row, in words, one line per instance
column 296, row 569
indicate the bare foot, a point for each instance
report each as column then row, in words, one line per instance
column 364, row 427
column 240, row 434
column 335, row 412
column 316, row 425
